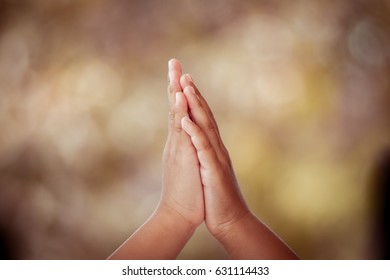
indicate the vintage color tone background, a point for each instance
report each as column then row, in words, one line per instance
column 300, row 90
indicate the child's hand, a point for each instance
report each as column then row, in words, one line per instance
column 189, row 162
column 227, row 216
column 223, row 201
column 181, row 208
column 182, row 189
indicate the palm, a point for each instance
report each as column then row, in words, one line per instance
column 223, row 200
column 182, row 188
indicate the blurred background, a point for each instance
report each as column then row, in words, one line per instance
column 300, row 90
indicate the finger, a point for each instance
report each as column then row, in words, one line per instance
column 201, row 118
column 206, row 154
column 181, row 110
column 186, row 80
column 174, row 74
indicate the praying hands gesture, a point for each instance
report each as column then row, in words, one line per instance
column 198, row 185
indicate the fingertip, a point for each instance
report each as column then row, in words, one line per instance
column 189, row 90
column 181, row 102
column 188, row 78
column 171, row 68
column 186, row 124
column 174, row 64
column 186, row 120
column 192, row 98
column 182, row 81
column 170, row 63
column 178, row 98
column 174, row 74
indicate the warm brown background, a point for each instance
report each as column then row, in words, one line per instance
column 300, row 90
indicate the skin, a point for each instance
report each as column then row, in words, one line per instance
column 198, row 185
column 181, row 207
column 227, row 215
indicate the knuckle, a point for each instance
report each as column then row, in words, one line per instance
column 210, row 126
column 206, row 145
column 178, row 128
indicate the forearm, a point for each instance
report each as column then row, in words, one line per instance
column 163, row 236
column 249, row 238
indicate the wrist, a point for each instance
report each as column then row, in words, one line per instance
column 228, row 229
column 249, row 238
column 232, row 236
column 162, row 236
column 173, row 219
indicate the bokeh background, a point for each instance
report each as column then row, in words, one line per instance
column 300, row 90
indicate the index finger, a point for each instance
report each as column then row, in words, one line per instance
column 186, row 80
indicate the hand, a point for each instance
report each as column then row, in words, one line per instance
column 187, row 164
column 223, row 201
column 181, row 208
column 182, row 189
column 227, row 216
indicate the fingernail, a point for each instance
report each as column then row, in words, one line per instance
column 170, row 67
column 170, row 75
column 191, row 89
column 170, row 64
column 185, row 121
column 177, row 97
column 189, row 78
